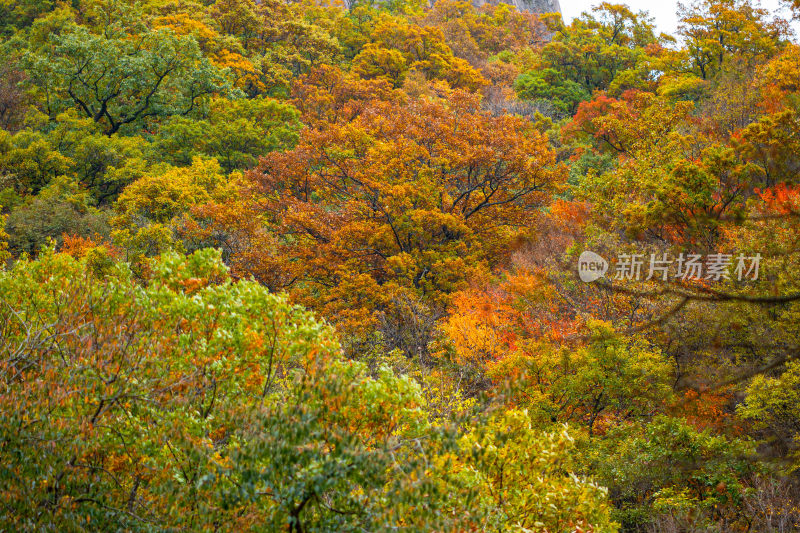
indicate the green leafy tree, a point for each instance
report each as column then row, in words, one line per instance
column 120, row 79
column 71, row 146
column 600, row 48
column 674, row 472
column 549, row 84
column 62, row 207
column 166, row 404
column 236, row 133
column 17, row 14
column 773, row 403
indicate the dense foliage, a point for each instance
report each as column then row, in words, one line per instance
column 292, row 266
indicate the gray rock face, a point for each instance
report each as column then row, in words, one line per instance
column 531, row 6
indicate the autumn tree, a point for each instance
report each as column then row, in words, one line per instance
column 527, row 478
column 425, row 177
column 376, row 208
column 148, row 213
column 667, row 185
column 719, row 32
column 477, row 34
column 327, row 95
column 398, row 47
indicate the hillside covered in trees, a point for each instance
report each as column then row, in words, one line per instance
column 299, row 267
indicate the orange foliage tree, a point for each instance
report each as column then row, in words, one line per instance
column 404, row 201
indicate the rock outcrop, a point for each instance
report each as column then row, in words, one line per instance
column 532, row 6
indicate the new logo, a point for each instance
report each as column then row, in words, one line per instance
column 591, row 267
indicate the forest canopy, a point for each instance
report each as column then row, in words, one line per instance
column 398, row 266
